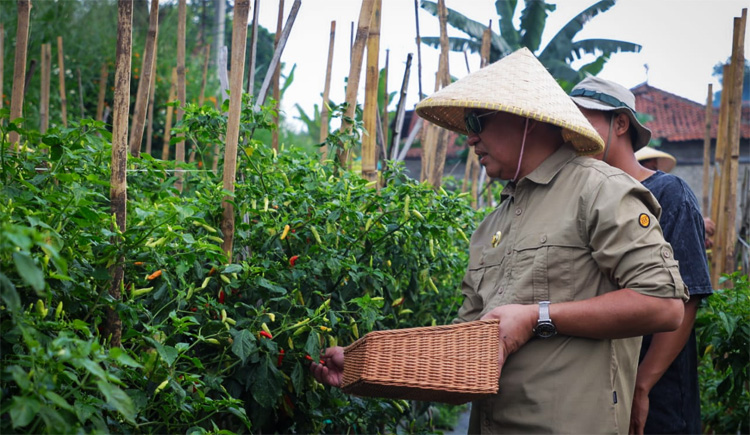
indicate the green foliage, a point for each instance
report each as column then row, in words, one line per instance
column 209, row 345
column 723, row 334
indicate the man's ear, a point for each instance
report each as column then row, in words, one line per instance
column 621, row 124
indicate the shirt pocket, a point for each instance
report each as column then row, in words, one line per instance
column 487, row 273
column 544, row 267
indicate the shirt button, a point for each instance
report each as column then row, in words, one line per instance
column 543, row 239
column 518, row 211
column 665, row 252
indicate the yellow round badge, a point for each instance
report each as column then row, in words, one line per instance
column 644, row 220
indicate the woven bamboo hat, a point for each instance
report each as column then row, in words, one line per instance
column 595, row 93
column 517, row 84
column 664, row 161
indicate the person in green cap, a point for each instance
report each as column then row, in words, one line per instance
column 572, row 262
column 666, row 391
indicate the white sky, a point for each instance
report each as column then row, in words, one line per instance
column 682, row 41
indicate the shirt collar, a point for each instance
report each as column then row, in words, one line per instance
column 546, row 171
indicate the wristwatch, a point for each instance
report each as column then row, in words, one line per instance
column 544, row 326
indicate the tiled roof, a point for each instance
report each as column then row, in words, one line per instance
column 677, row 119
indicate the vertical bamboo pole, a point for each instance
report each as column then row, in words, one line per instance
column 44, row 95
column 2, row 61
column 118, row 184
column 253, row 48
column 202, row 96
column 61, row 65
column 384, row 107
column 277, row 54
column 103, row 76
column 180, row 149
column 733, row 142
column 19, row 66
column 369, row 116
column 718, row 194
column 707, row 150
column 419, row 49
column 151, row 101
column 276, row 77
column 144, row 82
column 441, row 146
column 170, row 113
column 400, row 109
column 355, row 69
column 239, row 41
column 326, row 91
column 80, row 93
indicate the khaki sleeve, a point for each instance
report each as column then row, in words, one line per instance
column 627, row 242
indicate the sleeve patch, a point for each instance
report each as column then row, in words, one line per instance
column 644, row 220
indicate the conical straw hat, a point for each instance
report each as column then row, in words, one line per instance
column 517, row 84
column 665, row 162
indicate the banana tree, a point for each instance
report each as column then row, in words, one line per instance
column 557, row 55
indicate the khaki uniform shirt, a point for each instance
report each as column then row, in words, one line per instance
column 573, row 229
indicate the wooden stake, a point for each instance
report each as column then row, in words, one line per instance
column 202, row 96
column 239, row 41
column 400, row 109
column 144, row 82
column 151, row 101
column 419, row 49
column 19, row 67
column 80, row 94
column 103, row 76
column 733, row 143
column 276, row 77
column 441, row 146
column 384, row 107
column 277, row 54
column 44, row 94
column 369, row 115
column 170, row 113
column 326, row 91
column 355, row 69
column 2, row 61
column 118, row 183
column 718, row 194
column 707, row 150
column 61, row 65
column 253, row 48
column 180, row 149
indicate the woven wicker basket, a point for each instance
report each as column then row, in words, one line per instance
column 452, row 364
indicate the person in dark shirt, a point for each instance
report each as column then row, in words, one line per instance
column 666, row 396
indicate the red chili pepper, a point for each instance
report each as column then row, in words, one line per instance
column 221, row 296
column 308, row 357
column 293, row 260
column 212, row 271
column 281, row 357
column 194, row 309
column 322, row 362
column 154, row 275
column 293, row 231
column 265, row 334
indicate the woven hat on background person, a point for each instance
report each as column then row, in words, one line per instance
column 665, row 162
column 517, row 84
column 598, row 94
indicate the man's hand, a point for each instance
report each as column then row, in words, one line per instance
column 516, row 327
column 639, row 412
column 332, row 372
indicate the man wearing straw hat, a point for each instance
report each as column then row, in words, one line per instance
column 572, row 262
column 666, row 396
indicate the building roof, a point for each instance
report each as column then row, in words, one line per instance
column 677, row 119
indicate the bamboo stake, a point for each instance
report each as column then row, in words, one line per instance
column 80, row 93
column 180, row 149
column 355, row 69
column 144, row 82
column 202, row 96
column 61, row 65
column 44, row 95
column 733, row 142
column 369, row 116
column 102, row 92
column 119, row 188
column 276, row 77
column 384, row 117
column 441, row 146
column 19, row 67
column 277, row 54
column 400, row 109
column 151, row 100
column 718, row 195
column 223, row 76
column 707, row 150
column 239, row 41
column 2, row 61
column 170, row 114
column 428, row 139
column 326, row 91
column 419, row 49
column 253, row 48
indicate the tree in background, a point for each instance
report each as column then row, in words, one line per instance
column 556, row 56
column 719, row 72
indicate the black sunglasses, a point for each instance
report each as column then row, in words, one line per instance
column 473, row 123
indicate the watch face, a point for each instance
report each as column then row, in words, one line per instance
column 545, row 330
